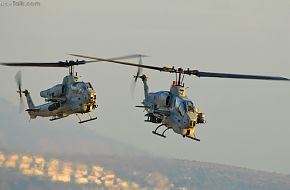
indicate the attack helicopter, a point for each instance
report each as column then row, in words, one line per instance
column 173, row 109
column 70, row 97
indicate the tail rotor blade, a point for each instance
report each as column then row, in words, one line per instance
column 18, row 79
column 21, row 105
column 139, row 71
column 19, row 82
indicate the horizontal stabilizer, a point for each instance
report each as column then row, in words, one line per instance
column 141, row 106
column 33, row 109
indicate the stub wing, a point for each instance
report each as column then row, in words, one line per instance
column 56, row 99
column 159, row 111
column 163, row 112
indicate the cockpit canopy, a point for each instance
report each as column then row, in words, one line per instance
column 82, row 85
column 189, row 106
column 89, row 86
column 183, row 106
column 79, row 87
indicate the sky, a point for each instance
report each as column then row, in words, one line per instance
column 247, row 121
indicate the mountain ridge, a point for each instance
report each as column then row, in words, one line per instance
column 83, row 151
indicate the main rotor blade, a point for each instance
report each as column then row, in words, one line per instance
column 45, row 64
column 122, row 62
column 64, row 63
column 26, row 64
column 120, row 58
column 238, row 76
column 188, row 72
column 129, row 57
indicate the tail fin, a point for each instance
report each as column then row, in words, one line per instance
column 29, row 99
column 146, row 88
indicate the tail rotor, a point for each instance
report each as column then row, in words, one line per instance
column 18, row 79
column 138, row 74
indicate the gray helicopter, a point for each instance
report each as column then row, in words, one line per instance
column 173, row 109
column 70, row 97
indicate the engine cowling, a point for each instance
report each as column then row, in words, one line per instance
column 56, row 91
column 160, row 98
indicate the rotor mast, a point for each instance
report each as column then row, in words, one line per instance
column 179, row 77
column 71, row 69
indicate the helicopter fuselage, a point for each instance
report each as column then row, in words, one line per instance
column 70, row 97
column 173, row 110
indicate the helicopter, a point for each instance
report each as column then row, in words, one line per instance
column 173, row 109
column 70, row 97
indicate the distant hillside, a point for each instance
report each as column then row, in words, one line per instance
column 37, row 156
column 19, row 171
column 62, row 136
column 175, row 174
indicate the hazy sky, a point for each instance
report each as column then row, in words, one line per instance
column 247, row 121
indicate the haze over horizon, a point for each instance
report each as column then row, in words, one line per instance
column 247, row 121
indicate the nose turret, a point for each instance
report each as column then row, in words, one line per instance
column 90, row 98
column 94, row 99
column 190, row 120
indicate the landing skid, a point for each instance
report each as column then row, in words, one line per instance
column 155, row 133
column 55, row 118
column 84, row 121
column 193, row 138
column 161, row 135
